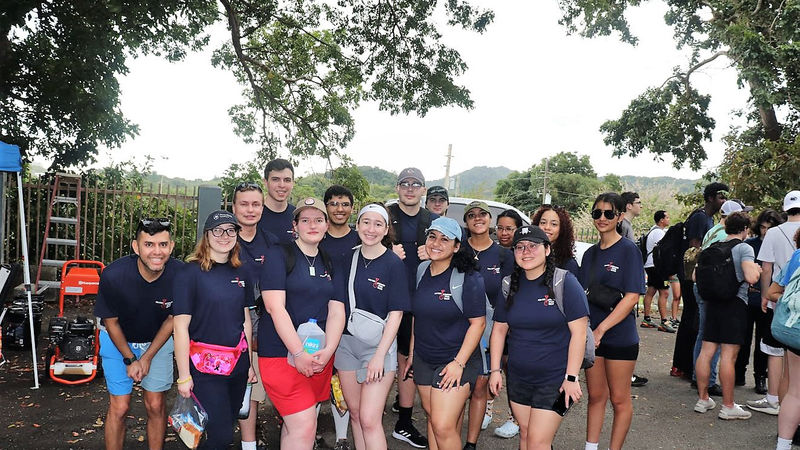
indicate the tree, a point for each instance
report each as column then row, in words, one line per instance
column 305, row 66
column 760, row 38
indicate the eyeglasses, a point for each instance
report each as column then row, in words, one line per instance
column 406, row 185
column 247, row 186
column 472, row 216
column 218, row 232
column 522, row 248
column 506, row 229
column 338, row 204
column 608, row 213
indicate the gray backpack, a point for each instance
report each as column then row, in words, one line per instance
column 558, row 290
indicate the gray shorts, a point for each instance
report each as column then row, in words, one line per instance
column 353, row 354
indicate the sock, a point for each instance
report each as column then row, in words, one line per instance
column 340, row 422
column 249, row 445
column 784, row 444
column 772, row 398
column 591, row 445
column 405, row 416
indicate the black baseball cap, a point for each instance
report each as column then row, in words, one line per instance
column 440, row 191
column 220, row 217
column 530, row 233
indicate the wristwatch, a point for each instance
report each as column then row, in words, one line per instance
column 129, row 361
column 571, row 378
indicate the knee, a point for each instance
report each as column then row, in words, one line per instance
column 481, row 395
column 118, row 409
column 598, row 397
column 371, row 422
column 304, row 431
column 441, row 426
column 355, row 415
column 155, row 406
column 621, row 402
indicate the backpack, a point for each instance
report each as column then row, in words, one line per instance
column 558, row 290
column 642, row 244
column 291, row 258
column 786, row 321
column 715, row 273
column 668, row 252
column 456, row 283
column 423, row 221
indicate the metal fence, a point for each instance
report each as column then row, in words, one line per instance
column 108, row 217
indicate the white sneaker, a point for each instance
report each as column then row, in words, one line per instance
column 763, row 405
column 487, row 419
column 736, row 412
column 508, row 430
column 704, row 405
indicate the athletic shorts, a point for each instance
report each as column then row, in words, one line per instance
column 627, row 353
column 766, row 338
column 653, row 279
column 726, row 323
column 537, row 396
column 425, row 372
column 290, row 391
column 158, row 379
column 404, row 334
column 353, row 354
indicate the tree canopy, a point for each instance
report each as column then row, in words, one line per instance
column 305, row 65
column 761, row 38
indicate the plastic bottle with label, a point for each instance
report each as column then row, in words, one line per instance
column 312, row 336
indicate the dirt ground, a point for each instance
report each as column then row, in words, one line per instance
column 57, row 416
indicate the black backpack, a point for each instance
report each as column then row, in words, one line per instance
column 642, row 244
column 291, row 258
column 715, row 273
column 423, row 222
column 668, row 252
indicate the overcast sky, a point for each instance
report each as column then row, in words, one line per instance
column 537, row 91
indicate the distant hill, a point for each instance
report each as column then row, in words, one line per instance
column 668, row 184
column 376, row 175
column 475, row 182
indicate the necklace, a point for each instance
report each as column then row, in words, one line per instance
column 476, row 258
column 311, row 271
column 367, row 262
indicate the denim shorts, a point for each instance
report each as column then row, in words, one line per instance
column 158, row 379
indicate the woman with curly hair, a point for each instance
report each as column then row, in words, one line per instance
column 557, row 225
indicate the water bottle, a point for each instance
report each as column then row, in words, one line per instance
column 312, row 336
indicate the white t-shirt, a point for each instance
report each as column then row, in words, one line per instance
column 656, row 234
column 778, row 245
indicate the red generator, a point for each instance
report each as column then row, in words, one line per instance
column 71, row 356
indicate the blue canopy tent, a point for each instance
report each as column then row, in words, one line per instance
column 11, row 161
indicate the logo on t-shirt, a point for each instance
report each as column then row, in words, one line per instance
column 259, row 260
column 546, row 300
column 377, row 284
column 326, row 275
column 610, row 267
column 495, row 269
column 163, row 303
column 238, row 282
column 442, row 295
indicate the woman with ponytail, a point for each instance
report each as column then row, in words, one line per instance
column 546, row 344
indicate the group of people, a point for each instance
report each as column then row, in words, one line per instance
column 406, row 296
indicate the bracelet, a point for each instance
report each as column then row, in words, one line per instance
column 185, row 380
column 496, row 370
column 459, row 363
column 297, row 355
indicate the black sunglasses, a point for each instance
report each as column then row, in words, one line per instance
column 609, row 213
column 150, row 221
column 247, row 186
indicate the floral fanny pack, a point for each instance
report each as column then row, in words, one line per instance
column 216, row 359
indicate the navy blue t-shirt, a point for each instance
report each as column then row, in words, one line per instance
column 340, row 249
column 380, row 287
column 538, row 342
column 494, row 263
column 572, row 266
column 697, row 225
column 141, row 307
column 439, row 326
column 279, row 224
column 405, row 228
column 253, row 255
column 307, row 296
column 620, row 267
column 216, row 301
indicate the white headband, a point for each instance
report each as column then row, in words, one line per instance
column 372, row 207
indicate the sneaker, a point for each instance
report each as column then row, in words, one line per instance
column 736, row 412
column 675, row 322
column 666, row 326
column 508, row 430
column 761, row 386
column 487, row 419
column 342, row 444
column 469, row 446
column 637, row 381
column 763, row 405
column 647, row 322
column 704, row 405
column 409, row 435
column 396, row 404
column 675, row 372
column 715, row 390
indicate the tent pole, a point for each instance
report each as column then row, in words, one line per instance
column 27, row 277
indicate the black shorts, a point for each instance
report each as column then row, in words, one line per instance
column 627, row 353
column 404, row 334
column 425, row 372
column 767, row 327
column 654, row 280
column 726, row 323
column 536, row 396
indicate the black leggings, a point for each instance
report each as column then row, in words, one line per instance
column 221, row 397
column 687, row 332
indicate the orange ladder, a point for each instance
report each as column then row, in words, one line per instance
column 62, row 228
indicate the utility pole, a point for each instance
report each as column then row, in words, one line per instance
column 447, row 166
column 544, row 188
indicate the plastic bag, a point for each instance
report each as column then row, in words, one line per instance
column 188, row 419
column 337, row 397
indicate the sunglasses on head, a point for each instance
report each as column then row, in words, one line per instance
column 247, row 186
column 608, row 213
column 150, row 221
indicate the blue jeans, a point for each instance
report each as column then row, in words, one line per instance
column 712, row 379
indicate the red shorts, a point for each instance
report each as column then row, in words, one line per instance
column 290, row 391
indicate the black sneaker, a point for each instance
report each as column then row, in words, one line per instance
column 469, row 446
column 396, row 404
column 409, row 435
column 715, row 390
column 637, row 381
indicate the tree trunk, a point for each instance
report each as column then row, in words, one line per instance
column 772, row 128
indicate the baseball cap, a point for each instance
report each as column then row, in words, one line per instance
column 413, row 173
column 447, row 227
column 437, row 191
column 310, row 202
column 791, row 201
column 220, row 217
column 530, row 233
column 732, row 206
column 476, row 204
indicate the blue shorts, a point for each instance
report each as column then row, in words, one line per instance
column 158, row 379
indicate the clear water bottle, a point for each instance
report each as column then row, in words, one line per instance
column 312, row 336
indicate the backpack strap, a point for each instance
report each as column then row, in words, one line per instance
column 558, row 288
column 289, row 255
column 421, row 268
column 423, row 222
column 457, row 288
column 505, row 286
column 326, row 260
column 351, row 292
